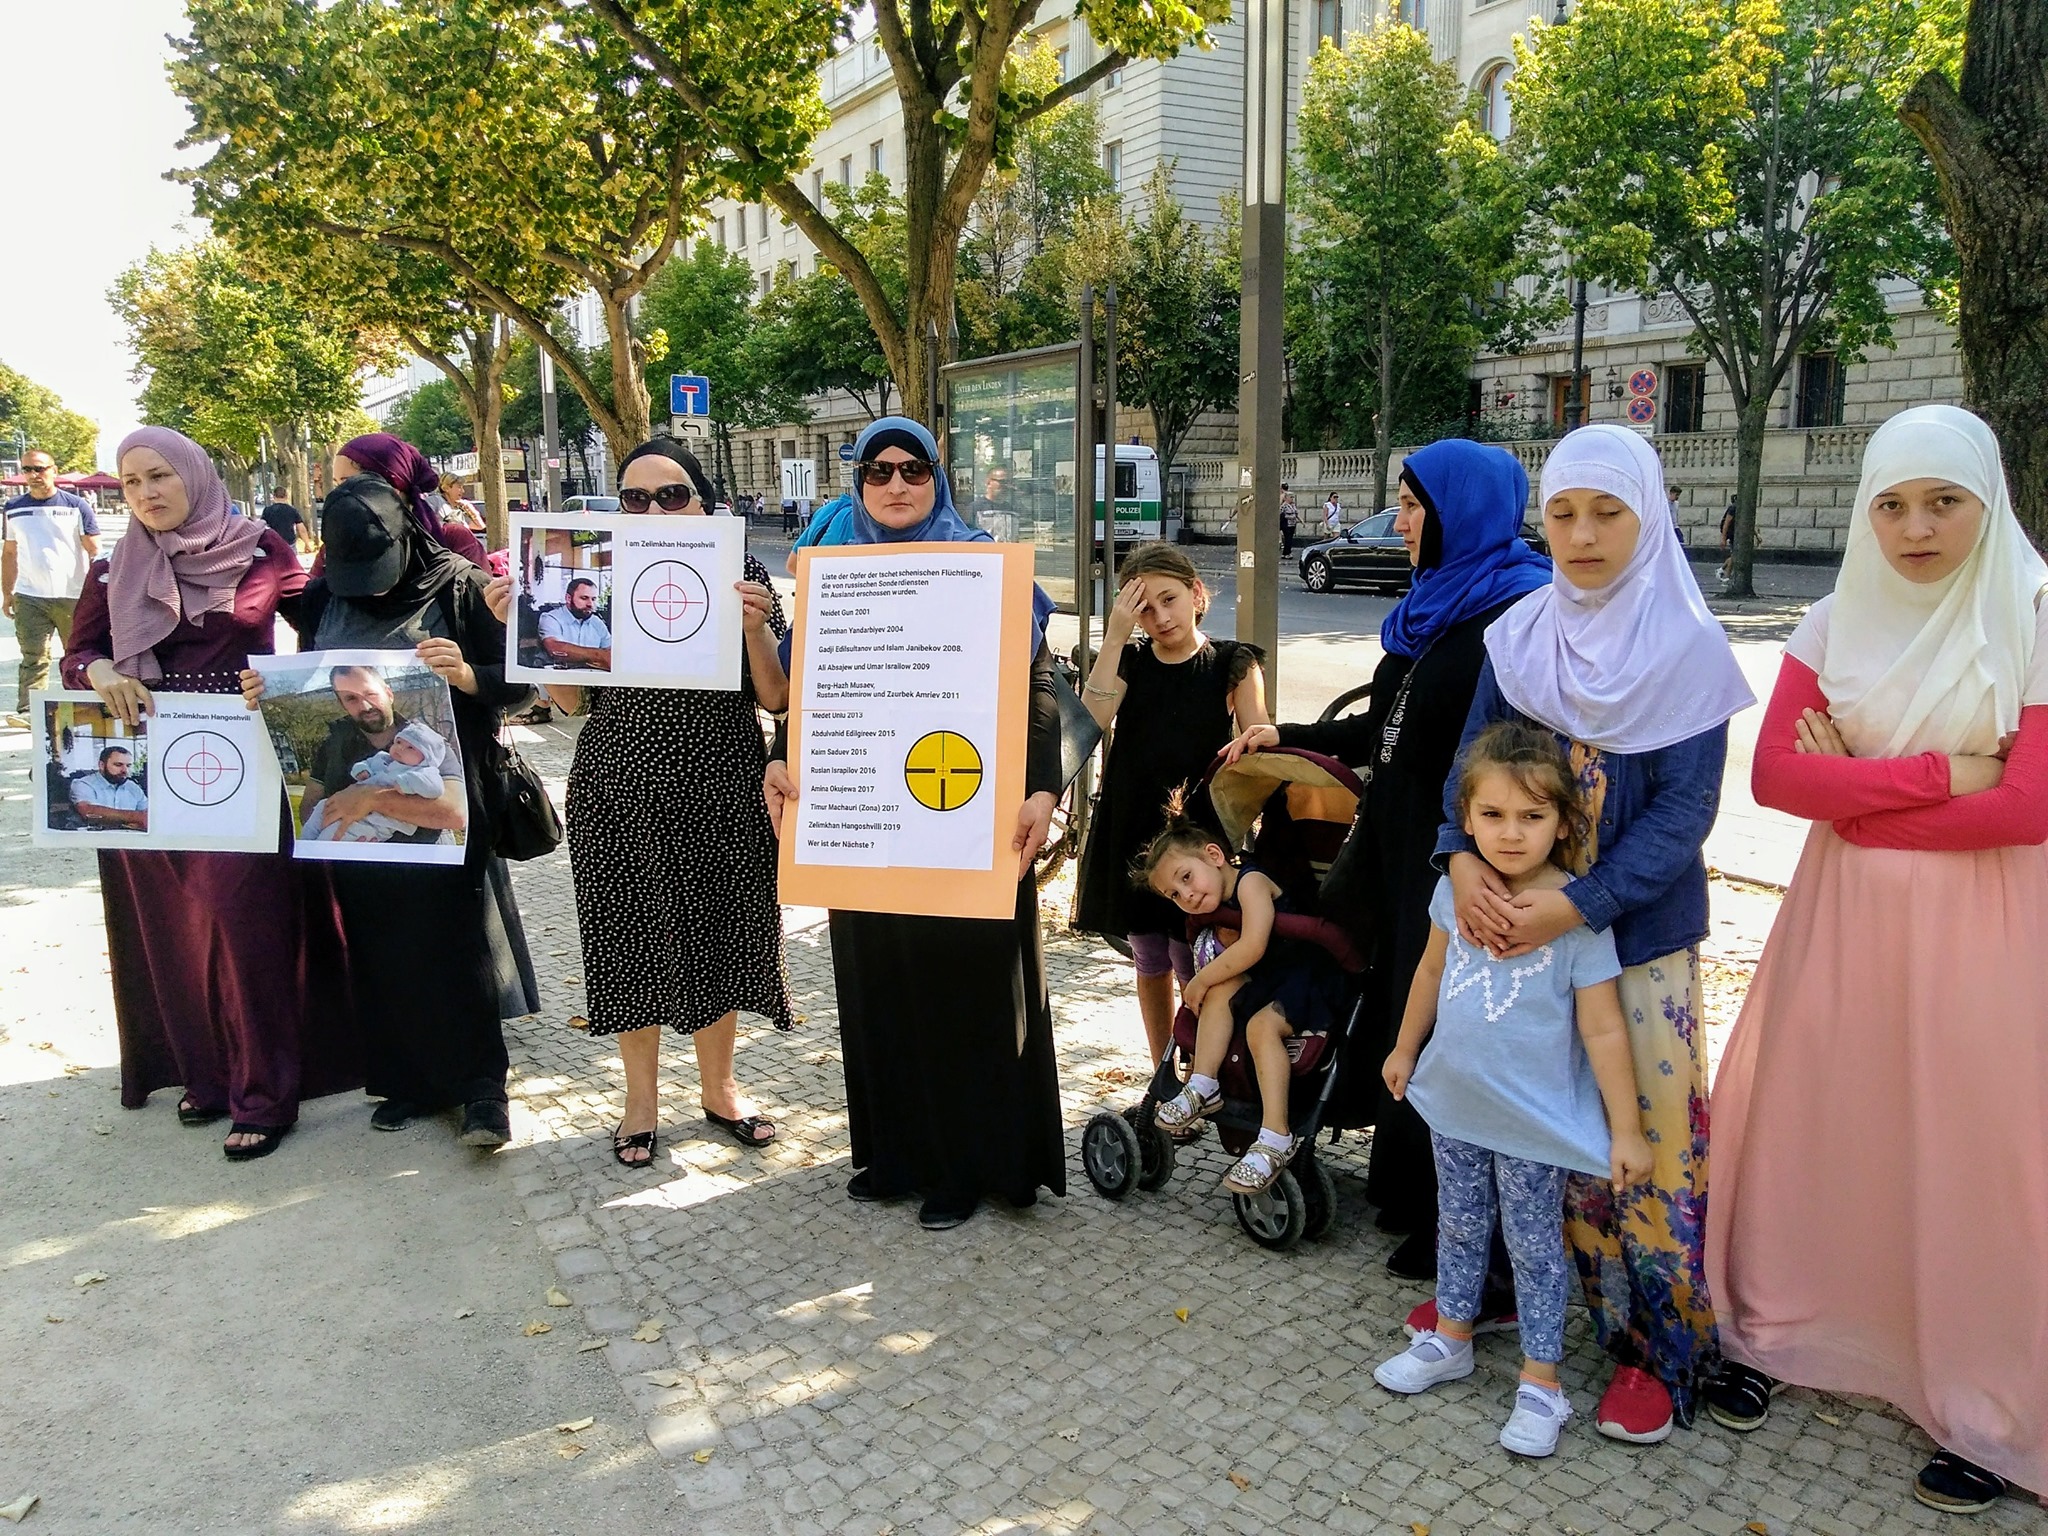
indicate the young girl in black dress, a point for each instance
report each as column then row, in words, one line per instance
column 1176, row 698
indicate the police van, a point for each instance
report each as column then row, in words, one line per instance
column 1140, row 509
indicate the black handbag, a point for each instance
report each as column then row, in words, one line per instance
column 524, row 822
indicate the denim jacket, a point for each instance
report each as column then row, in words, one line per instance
column 1650, row 882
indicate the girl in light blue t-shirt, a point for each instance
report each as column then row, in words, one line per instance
column 1515, row 1096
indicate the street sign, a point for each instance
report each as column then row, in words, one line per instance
column 689, row 394
column 1642, row 410
column 687, row 428
column 1643, row 382
column 846, row 453
column 799, row 479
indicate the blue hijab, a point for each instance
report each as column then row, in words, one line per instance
column 944, row 526
column 1473, row 555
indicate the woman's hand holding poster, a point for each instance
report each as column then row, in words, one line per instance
column 909, row 685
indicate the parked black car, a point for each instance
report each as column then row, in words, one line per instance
column 1372, row 555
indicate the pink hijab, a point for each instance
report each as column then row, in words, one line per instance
column 155, row 580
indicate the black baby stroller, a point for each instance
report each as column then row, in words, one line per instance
column 1295, row 808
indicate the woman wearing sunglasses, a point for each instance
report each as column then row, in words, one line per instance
column 671, row 851
column 945, row 1027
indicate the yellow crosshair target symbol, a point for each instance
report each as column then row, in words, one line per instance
column 943, row 770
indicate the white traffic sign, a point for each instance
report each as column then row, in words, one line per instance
column 799, row 479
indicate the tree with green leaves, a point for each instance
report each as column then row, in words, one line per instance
column 1412, row 232
column 1177, row 290
column 534, row 157
column 233, row 362
column 432, row 419
column 817, row 332
column 964, row 97
column 1987, row 133
column 1748, row 160
column 37, row 415
column 523, row 424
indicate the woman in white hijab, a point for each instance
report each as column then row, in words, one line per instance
column 1880, row 1221
column 1619, row 657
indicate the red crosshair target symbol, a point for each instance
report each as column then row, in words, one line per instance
column 670, row 602
column 202, row 768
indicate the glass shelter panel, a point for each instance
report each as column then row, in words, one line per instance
column 1010, row 454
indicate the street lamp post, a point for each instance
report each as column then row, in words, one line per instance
column 1575, row 393
column 1261, row 380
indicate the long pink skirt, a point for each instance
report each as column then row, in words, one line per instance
column 1880, row 1215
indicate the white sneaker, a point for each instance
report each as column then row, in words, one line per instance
column 1432, row 1358
column 1539, row 1418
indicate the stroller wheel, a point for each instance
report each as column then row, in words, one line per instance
column 1110, row 1155
column 1156, row 1148
column 1276, row 1216
column 1319, row 1197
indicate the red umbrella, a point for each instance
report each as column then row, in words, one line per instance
column 96, row 481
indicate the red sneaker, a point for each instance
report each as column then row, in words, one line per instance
column 1423, row 1320
column 1635, row 1407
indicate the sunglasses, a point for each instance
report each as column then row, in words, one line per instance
column 673, row 498
column 39, row 469
column 882, row 471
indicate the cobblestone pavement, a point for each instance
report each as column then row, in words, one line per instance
column 1079, row 1366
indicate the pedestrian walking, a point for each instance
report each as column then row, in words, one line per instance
column 52, row 536
column 1621, row 660
column 1290, row 519
column 1880, row 1216
column 1728, row 539
column 225, row 965
column 1333, row 517
column 289, row 524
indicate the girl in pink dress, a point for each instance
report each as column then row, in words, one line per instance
column 1880, row 1215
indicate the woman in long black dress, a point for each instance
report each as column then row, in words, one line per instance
column 1461, row 518
column 671, row 850
column 437, row 954
column 945, row 1025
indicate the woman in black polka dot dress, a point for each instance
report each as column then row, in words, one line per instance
column 673, row 855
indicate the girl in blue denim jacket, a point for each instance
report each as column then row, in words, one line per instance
column 1621, row 660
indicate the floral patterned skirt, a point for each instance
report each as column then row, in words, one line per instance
column 1641, row 1256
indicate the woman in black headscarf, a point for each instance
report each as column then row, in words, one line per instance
column 437, row 955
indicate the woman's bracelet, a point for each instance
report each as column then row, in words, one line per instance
column 1095, row 688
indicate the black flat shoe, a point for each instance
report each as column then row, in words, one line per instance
column 639, row 1141
column 191, row 1114
column 271, row 1134
column 748, row 1132
column 861, row 1187
column 1739, row 1398
column 940, row 1212
column 1957, row 1486
column 1414, row 1258
column 392, row 1115
column 485, row 1124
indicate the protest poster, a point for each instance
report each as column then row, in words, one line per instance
column 909, row 686
column 196, row 775
column 632, row 601
column 371, row 762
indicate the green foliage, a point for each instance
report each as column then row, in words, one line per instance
column 40, row 417
column 1412, row 232
column 815, row 332
column 226, row 358
column 701, row 306
column 1177, row 306
column 432, row 419
column 523, row 401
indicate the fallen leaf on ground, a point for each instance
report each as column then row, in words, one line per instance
column 1113, row 1075
column 465, row 1312
column 700, row 1457
column 557, row 1299
column 51, row 1317
column 1181, row 1313
column 570, row 1451
column 1828, row 1418
column 647, row 1333
column 1239, row 1481
column 575, row 1426
column 90, row 1277
column 1759, row 1527
column 572, row 981
column 531, row 1330
column 589, row 1344
column 577, row 1021
column 18, row 1510
column 1417, row 1528
column 73, row 1068
column 667, row 1378
column 103, row 1130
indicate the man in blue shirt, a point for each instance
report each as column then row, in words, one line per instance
column 573, row 635
column 52, row 536
column 110, row 800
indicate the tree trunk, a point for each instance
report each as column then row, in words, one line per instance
column 626, row 428
column 1989, row 144
column 291, row 462
column 1749, row 478
column 491, row 353
column 1383, row 418
column 235, row 471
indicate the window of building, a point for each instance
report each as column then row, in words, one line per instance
column 846, row 172
column 1414, row 13
column 765, row 219
column 767, row 282
column 1685, row 396
column 740, row 218
column 1561, row 398
column 1061, row 56
column 1116, row 78
column 1495, row 110
column 876, row 164
column 1330, row 23
column 1820, row 390
column 718, row 232
column 1113, row 165
column 818, row 187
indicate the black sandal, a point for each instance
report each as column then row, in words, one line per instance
column 1739, row 1398
column 743, row 1131
column 639, row 1141
column 191, row 1114
column 1957, row 1486
column 271, row 1134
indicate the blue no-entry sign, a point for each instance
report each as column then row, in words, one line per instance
column 689, row 394
column 846, row 453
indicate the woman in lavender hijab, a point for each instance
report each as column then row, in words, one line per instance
column 223, row 963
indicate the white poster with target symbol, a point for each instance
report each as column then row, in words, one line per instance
column 641, row 601
column 198, row 775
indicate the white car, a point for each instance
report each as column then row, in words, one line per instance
column 591, row 504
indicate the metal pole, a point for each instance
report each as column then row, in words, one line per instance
column 1574, row 400
column 551, row 433
column 1108, row 446
column 931, row 377
column 1261, row 365
column 1084, row 485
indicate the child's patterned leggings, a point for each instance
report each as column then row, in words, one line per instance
column 1531, row 1204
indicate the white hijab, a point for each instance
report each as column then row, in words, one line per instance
column 1934, row 667
column 1639, row 664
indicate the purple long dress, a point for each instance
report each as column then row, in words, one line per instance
column 228, row 968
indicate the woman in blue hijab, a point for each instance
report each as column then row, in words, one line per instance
column 1461, row 517
column 945, row 1024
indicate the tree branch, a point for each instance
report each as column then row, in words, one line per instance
column 1067, row 90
